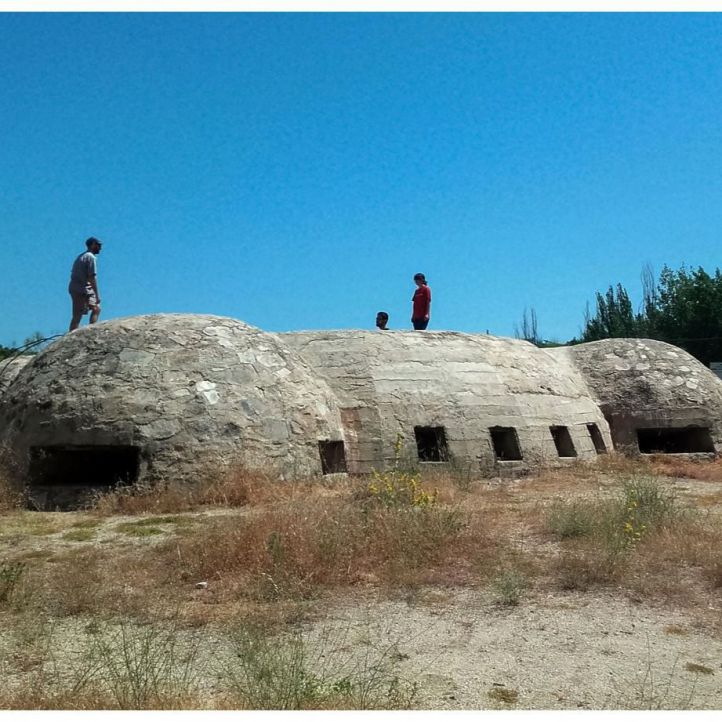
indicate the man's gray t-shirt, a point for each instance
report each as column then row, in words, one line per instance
column 83, row 269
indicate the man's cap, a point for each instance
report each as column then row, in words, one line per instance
column 92, row 240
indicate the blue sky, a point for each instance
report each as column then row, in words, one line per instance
column 296, row 170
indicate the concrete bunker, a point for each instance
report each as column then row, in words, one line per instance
column 172, row 398
column 655, row 397
column 410, row 385
column 186, row 395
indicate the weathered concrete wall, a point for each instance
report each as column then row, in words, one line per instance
column 9, row 369
column 389, row 382
column 191, row 392
column 641, row 383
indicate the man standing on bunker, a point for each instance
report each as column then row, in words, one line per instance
column 83, row 286
column 421, row 301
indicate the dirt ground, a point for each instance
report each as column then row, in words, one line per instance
column 588, row 651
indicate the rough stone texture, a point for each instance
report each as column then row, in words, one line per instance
column 191, row 392
column 641, row 383
column 388, row 383
column 195, row 393
column 10, row 368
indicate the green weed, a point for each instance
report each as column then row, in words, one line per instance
column 290, row 672
column 10, row 575
column 509, row 586
column 79, row 535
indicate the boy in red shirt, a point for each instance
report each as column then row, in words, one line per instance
column 421, row 303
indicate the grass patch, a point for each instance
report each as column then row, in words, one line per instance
column 156, row 520
column 599, row 535
column 162, row 664
column 681, row 468
column 33, row 523
column 232, row 488
column 290, row 551
column 79, row 535
column 137, row 529
column 85, row 524
column 150, row 526
column 568, row 520
column 509, row 586
column 115, row 666
column 10, row 576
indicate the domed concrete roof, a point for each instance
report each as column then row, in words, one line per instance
column 392, row 382
column 10, row 368
column 185, row 390
column 631, row 370
column 647, row 384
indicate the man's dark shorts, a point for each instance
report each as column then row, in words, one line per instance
column 420, row 324
column 83, row 302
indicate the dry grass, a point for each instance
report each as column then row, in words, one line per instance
column 290, row 542
column 231, row 489
column 681, row 468
column 10, row 497
column 293, row 550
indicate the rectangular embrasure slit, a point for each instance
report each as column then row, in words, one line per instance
column 597, row 439
column 431, row 443
column 333, row 457
column 687, row 440
column 563, row 441
column 78, row 466
column 505, row 441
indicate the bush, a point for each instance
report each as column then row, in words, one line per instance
column 292, row 672
column 509, row 585
column 612, row 528
column 571, row 520
column 397, row 487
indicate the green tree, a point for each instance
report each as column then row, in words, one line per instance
column 688, row 312
column 683, row 307
column 614, row 317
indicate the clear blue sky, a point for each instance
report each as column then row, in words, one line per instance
column 296, row 170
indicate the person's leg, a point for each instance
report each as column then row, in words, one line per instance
column 93, row 306
column 78, row 311
column 420, row 324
